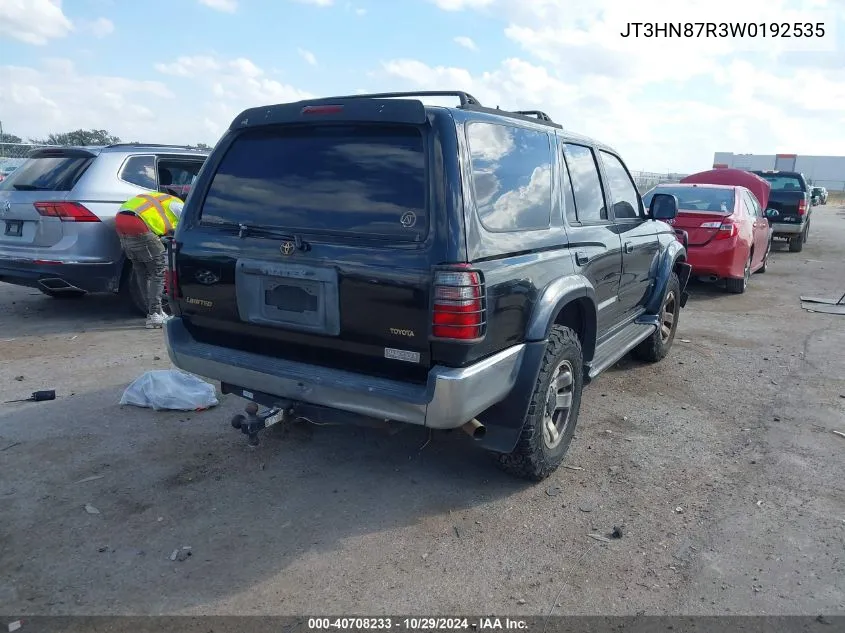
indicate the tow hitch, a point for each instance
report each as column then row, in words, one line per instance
column 252, row 421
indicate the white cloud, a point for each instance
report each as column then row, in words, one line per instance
column 101, row 27
column 308, row 56
column 226, row 6
column 466, row 42
column 194, row 101
column 360, row 12
column 317, row 3
column 667, row 104
column 33, row 21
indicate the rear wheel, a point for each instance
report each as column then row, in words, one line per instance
column 553, row 412
column 765, row 265
column 133, row 295
column 796, row 244
column 738, row 286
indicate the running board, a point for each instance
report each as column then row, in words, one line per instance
column 614, row 348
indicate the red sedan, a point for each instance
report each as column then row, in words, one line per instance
column 729, row 235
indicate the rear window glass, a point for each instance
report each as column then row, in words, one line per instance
column 713, row 199
column 780, row 182
column 361, row 180
column 52, row 173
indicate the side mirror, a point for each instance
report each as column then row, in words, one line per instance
column 663, row 206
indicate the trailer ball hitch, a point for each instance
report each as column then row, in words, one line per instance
column 251, row 421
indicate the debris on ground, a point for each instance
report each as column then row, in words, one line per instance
column 839, row 433
column 679, row 510
column 617, row 532
column 521, row 601
column 573, row 467
column 585, row 506
column 170, row 389
column 181, row 554
column 87, row 479
column 19, row 378
column 553, row 491
column 457, row 531
column 599, row 537
column 14, row 626
column 37, row 396
column 685, row 340
column 91, row 509
column 759, row 503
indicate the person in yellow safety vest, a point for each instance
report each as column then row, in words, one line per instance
column 141, row 223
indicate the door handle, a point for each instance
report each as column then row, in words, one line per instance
column 629, row 247
column 581, row 258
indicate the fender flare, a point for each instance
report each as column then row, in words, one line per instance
column 554, row 297
column 666, row 266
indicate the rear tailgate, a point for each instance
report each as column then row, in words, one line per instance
column 48, row 176
column 315, row 242
column 700, row 226
column 789, row 195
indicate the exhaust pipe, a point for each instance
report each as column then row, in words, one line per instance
column 475, row 429
column 54, row 284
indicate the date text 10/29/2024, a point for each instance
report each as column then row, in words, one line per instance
column 416, row 624
column 796, row 30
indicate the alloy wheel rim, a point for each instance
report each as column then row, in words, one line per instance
column 667, row 317
column 558, row 409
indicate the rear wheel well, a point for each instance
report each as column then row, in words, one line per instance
column 580, row 316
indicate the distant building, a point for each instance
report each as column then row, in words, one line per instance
column 822, row 171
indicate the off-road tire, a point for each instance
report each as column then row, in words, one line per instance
column 657, row 346
column 532, row 459
column 796, row 244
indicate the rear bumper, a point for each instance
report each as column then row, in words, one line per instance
column 450, row 398
column 719, row 258
column 782, row 228
column 90, row 276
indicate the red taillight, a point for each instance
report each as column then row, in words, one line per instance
column 171, row 283
column 322, row 109
column 65, row 211
column 802, row 207
column 727, row 230
column 458, row 309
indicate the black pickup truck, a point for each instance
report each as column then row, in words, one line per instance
column 790, row 207
column 369, row 257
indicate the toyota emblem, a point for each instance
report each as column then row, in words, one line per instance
column 287, row 248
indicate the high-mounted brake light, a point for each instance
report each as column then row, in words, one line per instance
column 322, row 109
column 65, row 211
column 458, row 306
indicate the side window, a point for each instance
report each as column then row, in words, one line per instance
column 586, row 184
column 177, row 172
column 512, row 176
column 749, row 204
column 140, row 171
column 569, row 197
column 623, row 191
column 758, row 210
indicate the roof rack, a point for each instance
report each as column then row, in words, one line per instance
column 465, row 97
column 170, row 146
column 542, row 116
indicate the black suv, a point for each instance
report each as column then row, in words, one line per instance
column 369, row 256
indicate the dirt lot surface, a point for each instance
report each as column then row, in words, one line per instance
column 720, row 464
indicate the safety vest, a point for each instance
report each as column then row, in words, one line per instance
column 154, row 210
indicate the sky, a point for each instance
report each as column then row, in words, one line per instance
column 179, row 71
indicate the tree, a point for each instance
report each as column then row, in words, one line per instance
column 79, row 137
column 10, row 138
column 202, row 146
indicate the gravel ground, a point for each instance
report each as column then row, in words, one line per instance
column 719, row 464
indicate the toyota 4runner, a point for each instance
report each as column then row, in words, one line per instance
column 373, row 257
